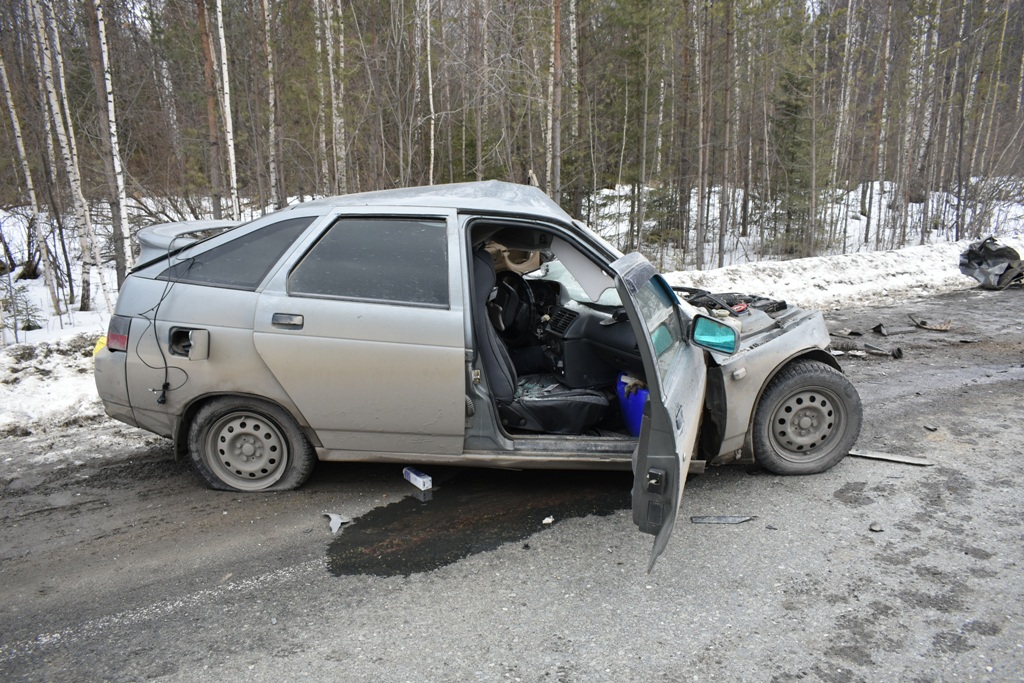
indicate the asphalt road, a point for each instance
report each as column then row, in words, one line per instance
column 125, row 568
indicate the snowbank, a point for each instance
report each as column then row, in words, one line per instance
column 865, row 278
column 47, row 384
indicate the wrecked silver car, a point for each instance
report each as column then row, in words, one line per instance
column 471, row 324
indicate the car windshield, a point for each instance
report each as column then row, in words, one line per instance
column 556, row 271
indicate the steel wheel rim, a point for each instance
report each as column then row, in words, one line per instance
column 247, row 450
column 806, row 423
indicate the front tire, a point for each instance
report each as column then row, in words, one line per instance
column 247, row 444
column 808, row 419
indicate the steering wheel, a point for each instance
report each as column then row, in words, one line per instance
column 516, row 309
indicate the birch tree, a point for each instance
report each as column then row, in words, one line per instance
column 212, row 128
column 555, row 121
column 323, row 179
column 63, row 127
column 268, row 50
column 430, row 97
column 229, row 126
column 335, row 76
column 46, row 258
column 104, row 88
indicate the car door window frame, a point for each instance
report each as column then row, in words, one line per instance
column 277, row 279
column 336, row 220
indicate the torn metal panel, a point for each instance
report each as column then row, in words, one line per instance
column 944, row 326
column 891, row 457
column 722, row 519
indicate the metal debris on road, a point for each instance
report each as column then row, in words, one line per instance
column 861, row 349
column 722, row 519
column 336, row 521
column 896, row 353
column 931, row 428
column 944, row 326
column 891, row 457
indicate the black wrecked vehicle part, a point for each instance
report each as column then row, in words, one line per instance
column 807, row 420
column 733, row 302
column 246, row 444
column 994, row 265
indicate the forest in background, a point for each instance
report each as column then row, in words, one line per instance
column 712, row 119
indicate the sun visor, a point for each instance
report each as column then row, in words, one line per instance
column 588, row 274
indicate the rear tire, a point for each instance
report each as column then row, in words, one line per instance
column 808, row 419
column 247, row 444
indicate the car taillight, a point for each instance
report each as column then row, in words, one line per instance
column 117, row 333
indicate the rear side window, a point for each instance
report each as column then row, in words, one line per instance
column 241, row 263
column 393, row 260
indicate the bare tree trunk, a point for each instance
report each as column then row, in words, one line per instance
column 924, row 130
column 335, row 75
column 268, row 52
column 993, row 92
column 50, row 162
column 700, row 37
column 549, row 147
column 622, row 162
column 111, row 146
column 229, row 126
column 877, row 134
column 844, row 116
column 430, row 97
column 1020, row 89
column 63, row 127
column 812, row 218
column 661, row 117
column 641, row 186
column 956, row 111
column 574, row 75
column 323, row 182
column 46, row 258
column 724, row 198
column 213, row 132
column 556, row 103
column 478, row 114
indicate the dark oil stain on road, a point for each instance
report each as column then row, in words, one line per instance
column 471, row 512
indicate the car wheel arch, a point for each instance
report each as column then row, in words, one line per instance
column 818, row 355
column 188, row 415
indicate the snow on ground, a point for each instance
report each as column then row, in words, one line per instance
column 47, row 384
column 866, row 278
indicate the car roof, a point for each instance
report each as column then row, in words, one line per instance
column 490, row 196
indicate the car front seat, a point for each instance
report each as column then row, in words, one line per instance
column 537, row 403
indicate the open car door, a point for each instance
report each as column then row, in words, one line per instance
column 676, row 378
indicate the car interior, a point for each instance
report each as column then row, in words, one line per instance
column 555, row 344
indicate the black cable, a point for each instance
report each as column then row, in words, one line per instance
column 151, row 322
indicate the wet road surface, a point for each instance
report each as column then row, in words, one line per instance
column 124, row 568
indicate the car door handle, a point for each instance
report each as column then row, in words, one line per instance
column 290, row 321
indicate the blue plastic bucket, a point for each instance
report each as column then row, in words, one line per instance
column 632, row 406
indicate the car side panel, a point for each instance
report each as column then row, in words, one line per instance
column 748, row 371
column 370, row 377
column 232, row 367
